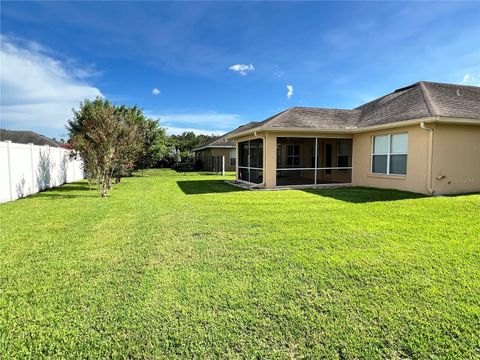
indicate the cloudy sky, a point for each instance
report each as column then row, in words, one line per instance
column 209, row 67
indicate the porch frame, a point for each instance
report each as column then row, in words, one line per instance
column 315, row 168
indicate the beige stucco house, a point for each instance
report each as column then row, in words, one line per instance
column 423, row 138
column 214, row 155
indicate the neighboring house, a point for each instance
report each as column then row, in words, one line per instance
column 27, row 137
column 423, row 138
column 209, row 156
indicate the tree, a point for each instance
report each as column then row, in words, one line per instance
column 129, row 142
column 188, row 140
column 94, row 134
column 154, row 144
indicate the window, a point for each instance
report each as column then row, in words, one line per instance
column 293, row 155
column 232, row 157
column 389, row 154
column 343, row 151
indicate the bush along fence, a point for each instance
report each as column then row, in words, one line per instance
column 26, row 169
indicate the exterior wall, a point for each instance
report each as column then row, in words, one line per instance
column 205, row 156
column 455, row 165
column 417, row 161
column 26, row 169
column 456, row 159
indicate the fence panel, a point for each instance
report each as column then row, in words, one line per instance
column 26, row 169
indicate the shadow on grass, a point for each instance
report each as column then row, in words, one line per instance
column 73, row 187
column 66, row 191
column 191, row 187
column 54, row 195
column 360, row 195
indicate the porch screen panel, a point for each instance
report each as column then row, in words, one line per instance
column 243, row 154
column 310, row 161
column 250, row 167
column 256, row 153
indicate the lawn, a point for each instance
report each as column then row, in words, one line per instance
column 187, row 266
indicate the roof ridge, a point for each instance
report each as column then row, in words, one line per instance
column 448, row 84
column 50, row 140
column 271, row 118
column 322, row 108
column 428, row 99
column 399, row 92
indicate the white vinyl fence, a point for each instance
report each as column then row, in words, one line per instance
column 28, row 169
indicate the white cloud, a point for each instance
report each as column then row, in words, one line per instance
column 242, row 69
column 38, row 90
column 466, row 78
column 210, row 122
column 155, row 91
column 290, row 91
column 210, row 119
column 471, row 79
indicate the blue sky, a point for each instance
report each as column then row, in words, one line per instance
column 218, row 65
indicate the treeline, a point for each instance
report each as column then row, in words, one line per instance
column 114, row 141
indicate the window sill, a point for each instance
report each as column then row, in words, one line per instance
column 388, row 176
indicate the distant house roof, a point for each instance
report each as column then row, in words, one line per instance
column 223, row 142
column 27, row 137
column 420, row 100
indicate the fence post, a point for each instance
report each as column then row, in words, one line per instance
column 9, row 162
column 73, row 163
column 223, row 165
column 32, row 168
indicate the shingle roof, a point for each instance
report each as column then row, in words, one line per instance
column 318, row 118
column 454, row 100
column 224, row 142
column 27, row 137
column 420, row 100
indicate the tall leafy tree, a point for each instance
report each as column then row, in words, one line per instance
column 94, row 133
column 155, row 144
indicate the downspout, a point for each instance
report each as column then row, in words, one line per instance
column 430, row 157
column 264, row 157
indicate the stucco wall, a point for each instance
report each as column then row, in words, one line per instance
column 417, row 161
column 456, row 156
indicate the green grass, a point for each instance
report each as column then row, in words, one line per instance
column 175, row 266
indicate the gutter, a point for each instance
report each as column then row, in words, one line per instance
column 430, row 158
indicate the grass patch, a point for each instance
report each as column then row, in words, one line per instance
column 187, row 266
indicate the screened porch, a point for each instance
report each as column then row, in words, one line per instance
column 313, row 161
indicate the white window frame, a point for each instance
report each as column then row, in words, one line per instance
column 388, row 154
column 294, row 156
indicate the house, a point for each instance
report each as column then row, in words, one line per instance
column 423, row 138
column 27, row 137
column 209, row 156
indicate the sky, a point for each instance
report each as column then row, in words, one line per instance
column 209, row 67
